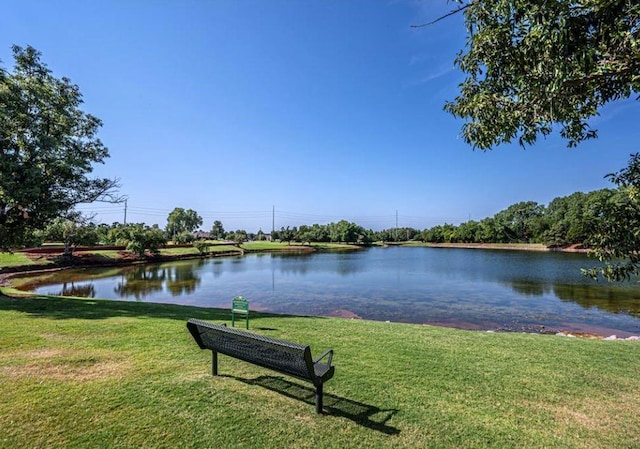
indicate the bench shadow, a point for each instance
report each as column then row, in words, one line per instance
column 363, row 414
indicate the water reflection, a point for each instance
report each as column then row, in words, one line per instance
column 82, row 290
column 461, row 288
column 530, row 288
column 141, row 281
column 183, row 279
column 610, row 298
column 614, row 300
column 342, row 263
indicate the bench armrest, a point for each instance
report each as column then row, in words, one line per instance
column 328, row 352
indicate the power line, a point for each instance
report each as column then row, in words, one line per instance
column 261, row 217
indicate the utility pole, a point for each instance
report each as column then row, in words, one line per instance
column 125, row 211
column 273, row 220
column 396, row 225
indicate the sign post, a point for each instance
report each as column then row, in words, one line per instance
column 240, row 306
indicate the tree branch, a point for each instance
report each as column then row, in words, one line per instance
column 450, row 13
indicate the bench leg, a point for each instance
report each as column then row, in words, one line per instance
column 214, row 363
column 319, row 399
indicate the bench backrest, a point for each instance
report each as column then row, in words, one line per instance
column 272, row 353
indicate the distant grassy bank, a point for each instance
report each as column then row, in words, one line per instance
column 18, row 260
column 497, row 246
column 80, row 373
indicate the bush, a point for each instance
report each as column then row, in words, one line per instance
column 201, row 246
column 142, row 239
column 183, row 237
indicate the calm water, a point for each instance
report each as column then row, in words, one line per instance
column 473, row 289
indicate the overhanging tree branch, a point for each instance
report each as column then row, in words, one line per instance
column 450, row 13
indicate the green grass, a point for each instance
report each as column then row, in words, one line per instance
column 91, row 373
column 271, row 246
column 106, row 253
column 334, row 246
column 16, row 259
column 267, row 246
column 520, row 246
column 19, row 259
column 168, row 251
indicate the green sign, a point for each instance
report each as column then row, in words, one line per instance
column 240, row 306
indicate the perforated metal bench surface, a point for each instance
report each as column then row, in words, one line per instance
column 279, row 355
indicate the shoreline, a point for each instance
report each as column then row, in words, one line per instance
column 85, row 259
column 577, row 248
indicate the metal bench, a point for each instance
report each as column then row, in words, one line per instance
column 279, row 355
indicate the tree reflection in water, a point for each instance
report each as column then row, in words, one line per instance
column 139, row 282
column 82, row 290
column 474, row 289
column 616, row 298
column 183, row 278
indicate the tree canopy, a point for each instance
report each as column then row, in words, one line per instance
column 181, row 220
column 47, row 148
column 616, row 238
column 217, row 230
column 535, row 65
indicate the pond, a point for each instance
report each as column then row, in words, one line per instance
column 463, row 288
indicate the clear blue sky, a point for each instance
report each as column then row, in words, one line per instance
column 322, row 109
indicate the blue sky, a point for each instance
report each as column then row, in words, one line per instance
column 321, row 110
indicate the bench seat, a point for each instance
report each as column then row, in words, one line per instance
column 279, row 355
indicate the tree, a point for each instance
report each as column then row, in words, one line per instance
column 118, row 234
column 572, row 219
column 521, row 222
column 616, row 239
column 345, row 231
column 531, row 65
column 319, row 233
column 217, row 230
column 467, row 232
column 183, row 237
column 143, row 238
column 47, row 149
column 305, row 234
column 286, row 234
column 535, row 65
column 72, row 232
column 202, row 246
column 180, row 220
column 239, row 237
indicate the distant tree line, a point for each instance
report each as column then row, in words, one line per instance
column 568, row 220
column 575, row 219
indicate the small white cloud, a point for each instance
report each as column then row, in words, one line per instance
column 434, row 75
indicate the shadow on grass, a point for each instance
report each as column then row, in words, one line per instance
column 365, row 415
column 96, row 309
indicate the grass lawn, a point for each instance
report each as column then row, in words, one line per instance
column 517, row 246
column 16, row 259
column 267, row 246
column 79, row 373
column 19, row 259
